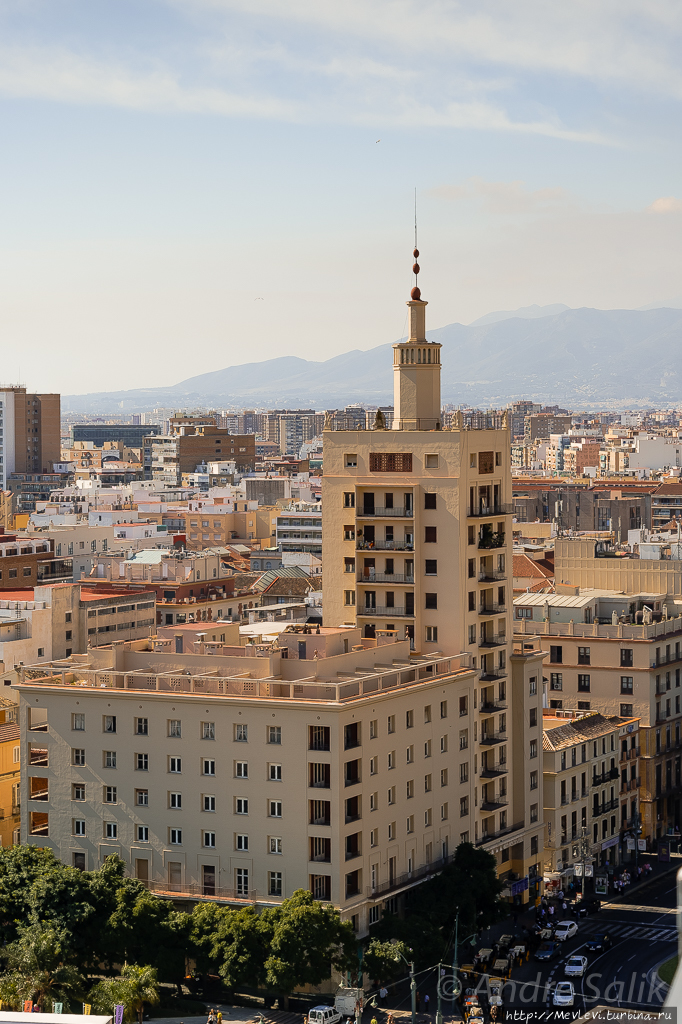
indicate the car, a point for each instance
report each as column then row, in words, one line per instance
column 588, row 905
column 547, row 951
column 324, row 1015
column 565, row 930
column 564, row 994
column 598, row 943
column 575, row 966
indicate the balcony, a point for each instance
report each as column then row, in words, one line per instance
column 494, row 805
column 486, row 511
column 383, row 545
column 405, row 879
column 494, row 773
column 488, row 576
column 492, row 640
column 492, row 676
column 487, row 837
column 492, row 609
column 490, row 708
column 385, row 577
column 384, row 612
column 496, row 540
column 394, row 512
column 609, row 776
column 629, row 755
column 488, row 738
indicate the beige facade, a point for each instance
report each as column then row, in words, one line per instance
column 584, row 798
column 584, row 562
column 629, row 671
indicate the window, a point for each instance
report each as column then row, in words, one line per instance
column 41, row 652
column 533, row 717
column 463, row 739
column 486, row 462
column 443, row 744
column 78, row 723
column 241, row 769
column 68, row 617
column 373, row 729
column 532, row 686
column 626, row 711
column 350, row 461
column 142, row 797
column 626, row 684
column 275, row 883
column 583, row 684
column 534, row 845
column 275, row 844
column 431, row 634
column 533, row 780
column 141, row 726
column 390, row 462
column 275, row 773
column 110, row 723
column 443, row 709
column 174, row 728
column 275, row 734
column 556, row 654
column 443, row 776
column 464, row 772
column 463, row 806
column 391, row 759
column 373, row 766
column 472, row 634
column 391, row 795
column 175, row 801
column 208, row 767
column 142, row 833
column 472, row 602
column 431, row 601
column 430, row 535
column 431, row 462
column 524, row 613
column 626, row 657
column 142, row 762
column 241, row 805
column 78, row 827
column 533, row 748
column 110, row 830
column 209, row 803
column 78, row 791
column 429, row 501
column 409, row 789
column 427, row 783
column 208, row 730
column 409, row 824
column 109, row 758
column 110, row 795
column 349, row 499
column 427, row 714
column 209, row 839
column 68, row 635
column 583, row 655
column 175, row 836
column 175, row 765
column 241, row 842
column 241, row 733
column 556, row 680
column 391, row 723
column 349, row 597
column 463, row 706
column 427, row 748
column 391, row 830
column 409, row 719
column 533, row 812
column 275, row 808
column 78, row 757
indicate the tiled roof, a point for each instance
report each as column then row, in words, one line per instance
column 9, row 731
column 580, row 729
column 524, row 566
column 290, row 587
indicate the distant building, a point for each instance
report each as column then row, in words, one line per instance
column 131, row 434
column 29, row 432
column 191, row 442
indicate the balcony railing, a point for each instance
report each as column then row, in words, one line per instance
column 392, row 512
column 491, row 609
column 490, row 576
column 496, row 541
column 628, row 755
column 217, row 892
column 383, row 545
column 499, row 673
column 494, row 773
column 494, row 804
column 488, row 738
column 479, row 511
column 490, row 707
column 385, row 577
column 600, row 780
column 405, row 879
column 487, row 837
column 492, row 640
column 385, row 612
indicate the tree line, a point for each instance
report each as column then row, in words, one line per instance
column 71, row 936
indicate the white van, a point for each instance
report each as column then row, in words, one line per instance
column 324, row 1015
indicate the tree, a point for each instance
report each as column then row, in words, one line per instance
column 385, row 959
column 39, row 967
column 234, row 943
column 136, row 986
column 308, row 940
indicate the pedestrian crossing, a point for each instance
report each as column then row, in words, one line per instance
column 628, row 930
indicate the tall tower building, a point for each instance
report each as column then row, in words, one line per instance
column 417, row 542
column 29, row 432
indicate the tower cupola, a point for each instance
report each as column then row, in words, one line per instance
column 416, row 370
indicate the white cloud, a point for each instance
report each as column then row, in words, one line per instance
column 504, row 197
column 666, row 204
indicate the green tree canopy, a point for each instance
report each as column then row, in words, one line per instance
column 233, row 943
column 136, row 986
column 38, row 966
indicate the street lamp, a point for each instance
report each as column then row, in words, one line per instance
column 413, row 983
column 580, row 851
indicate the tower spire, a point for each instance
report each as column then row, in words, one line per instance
column 415, row 293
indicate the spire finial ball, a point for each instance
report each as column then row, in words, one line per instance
column 415, row 268
column 415, row 294
column 415, row 253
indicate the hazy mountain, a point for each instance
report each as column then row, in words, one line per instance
column 579, row 357
column 525, row 312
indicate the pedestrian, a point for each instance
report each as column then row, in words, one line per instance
column 220, row 1017
column 426, row 1002
column 383, row 994
column 211, row 1016
column 551, row 911
column 374, row 1020
column 564, row 908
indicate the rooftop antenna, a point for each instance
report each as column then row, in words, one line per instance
column 415, row 294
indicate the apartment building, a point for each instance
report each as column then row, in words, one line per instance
column 28, row 489
column 10, row 795
column 132, row 435
column 29, row 432
column 191, row 442
column 27, row 561
column 600, row 662
column 299, row 531
column 584, row 761
column 540, row 425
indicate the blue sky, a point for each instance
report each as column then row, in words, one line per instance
column 186, row 184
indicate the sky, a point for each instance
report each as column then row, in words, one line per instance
column 191, row 184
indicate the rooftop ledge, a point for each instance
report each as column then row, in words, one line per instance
column 620, row 631
column 354, row 684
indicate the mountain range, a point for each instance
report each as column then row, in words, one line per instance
column 582, row 358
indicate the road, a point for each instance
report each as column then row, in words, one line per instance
column 643, row 931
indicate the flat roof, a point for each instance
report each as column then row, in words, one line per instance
column 581, row 599
column 17, row 595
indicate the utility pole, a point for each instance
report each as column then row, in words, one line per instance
column 413, row 993
column 439, row 1014
column 455, row 964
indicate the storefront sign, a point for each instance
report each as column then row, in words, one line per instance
column 613, row 841
column 518, row 887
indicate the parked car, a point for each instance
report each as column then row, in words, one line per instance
column 547, row 951
column 324, row 1015
column 588, row 905
column 565, row 930
column 575, row 966
column 564, row 994
column 598, row 943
